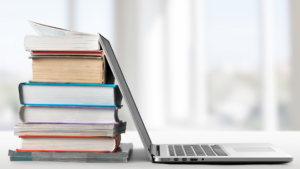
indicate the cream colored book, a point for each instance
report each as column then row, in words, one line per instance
column 57, row 39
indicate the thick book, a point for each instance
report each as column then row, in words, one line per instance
column 69, row 129
column 70, row 94
column 71, row 69
column 122, row 154
column 59, row 143
column 69, row 115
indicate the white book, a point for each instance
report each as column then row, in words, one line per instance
column 69, row 115
column 61, row 43
column 69, row 143
column 70, row 94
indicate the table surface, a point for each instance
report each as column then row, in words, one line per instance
column 287, row 141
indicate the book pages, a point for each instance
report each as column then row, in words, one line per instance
column 45, row 30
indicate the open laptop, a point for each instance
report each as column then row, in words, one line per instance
column 191, row 153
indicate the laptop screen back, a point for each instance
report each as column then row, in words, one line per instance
column 108, row 51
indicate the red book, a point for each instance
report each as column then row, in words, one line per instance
column 89, row 53
column 58, row 143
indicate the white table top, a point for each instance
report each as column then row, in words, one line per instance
column 286, row 141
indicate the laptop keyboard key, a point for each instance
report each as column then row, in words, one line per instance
column 198, row 150
column 208, row 150
column 171, row 150
column 188, row 150
column 179, row 150
column 218, row 150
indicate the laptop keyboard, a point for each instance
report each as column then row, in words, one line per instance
column 196, row 150
column 188, row 150
column 208, row 150
column 179, row 150
column 171, row 150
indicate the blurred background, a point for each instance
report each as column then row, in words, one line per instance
column 190, row 64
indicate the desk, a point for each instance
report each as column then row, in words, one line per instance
column 287, row 141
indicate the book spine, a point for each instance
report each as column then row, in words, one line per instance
column 20, row 92
column 21, row 159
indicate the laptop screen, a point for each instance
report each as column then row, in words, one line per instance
column 112, row 60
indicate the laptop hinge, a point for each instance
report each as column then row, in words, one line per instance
column 155, row 150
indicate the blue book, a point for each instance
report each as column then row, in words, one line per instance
column 70, row 94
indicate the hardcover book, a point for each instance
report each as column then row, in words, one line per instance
column 69, row 115
column 54, row 126
column 66, row 143
column 122, row 154
column 69, row 94
column 70, row 129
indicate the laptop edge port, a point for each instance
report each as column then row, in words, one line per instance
column 194, row 159
column 184, row 159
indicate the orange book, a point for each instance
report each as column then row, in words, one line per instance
column 58, row 143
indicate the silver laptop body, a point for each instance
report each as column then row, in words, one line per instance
column 191, row 153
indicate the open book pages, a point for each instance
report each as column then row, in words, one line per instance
column 46, row 30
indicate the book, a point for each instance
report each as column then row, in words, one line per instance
column 71, row 69
column 55, row 126
column 57, row 39
column 69, row 53
column 104, row 129
column 69, row 115
column 70, row 94
column 122, row 154
column 59, row 143
column 72, row 132
column 61, row 43
column 76, row 160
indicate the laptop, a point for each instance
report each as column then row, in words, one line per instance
column 191, row 153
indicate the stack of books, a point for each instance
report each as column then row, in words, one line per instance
column 70, row 108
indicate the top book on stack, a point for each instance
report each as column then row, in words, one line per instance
column 64, row 56
column 57, row 39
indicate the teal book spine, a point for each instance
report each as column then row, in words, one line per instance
column 12, row 158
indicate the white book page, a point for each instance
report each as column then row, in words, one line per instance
column 45, row 30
